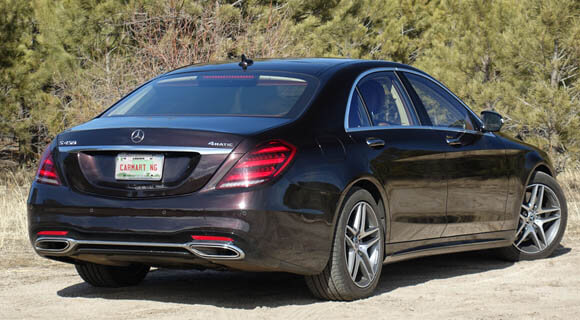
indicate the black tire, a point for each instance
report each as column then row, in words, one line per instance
column 111, row 277
column 512, row 253
column 335, row 282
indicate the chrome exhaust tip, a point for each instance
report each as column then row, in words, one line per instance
column 53, row 246
column 216, row 251
column 210, row 250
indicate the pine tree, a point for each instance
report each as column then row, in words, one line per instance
column 386, row 29
column 548, row 58
column 63, row 61
column 23, row 102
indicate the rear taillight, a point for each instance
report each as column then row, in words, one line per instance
column 260, row 165
column 47, row 170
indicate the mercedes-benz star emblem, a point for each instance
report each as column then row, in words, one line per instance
column 137, row 136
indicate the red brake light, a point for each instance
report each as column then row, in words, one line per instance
column 46, row 170
column 52, row 233
column 228, row 77
column 212, row 238
column 260, row 165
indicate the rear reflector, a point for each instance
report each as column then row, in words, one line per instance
column 47, row 170
column 260, row 165
column 52, row 233
column 212, row 238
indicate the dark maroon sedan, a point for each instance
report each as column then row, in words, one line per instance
column 326, row 168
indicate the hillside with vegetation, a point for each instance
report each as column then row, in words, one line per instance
column 64, row 61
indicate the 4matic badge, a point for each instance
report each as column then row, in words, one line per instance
column 221, row 144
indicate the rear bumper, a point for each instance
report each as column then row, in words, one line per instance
column 267, row 233
column 210, row 250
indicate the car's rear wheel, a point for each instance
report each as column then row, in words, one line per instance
column 542, row 220
column 356, row 260
column 110, row 276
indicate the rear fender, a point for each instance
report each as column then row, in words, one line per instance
column 383, row 203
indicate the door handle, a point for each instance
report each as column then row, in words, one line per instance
column 455, row 141
column 375, row 143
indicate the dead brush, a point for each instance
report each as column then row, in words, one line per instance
column 570, row 182
column 13, row 223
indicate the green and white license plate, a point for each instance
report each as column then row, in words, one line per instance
column 147, row 167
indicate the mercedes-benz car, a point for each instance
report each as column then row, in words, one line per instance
column 326, row 168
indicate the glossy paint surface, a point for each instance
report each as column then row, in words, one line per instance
column 477, row 183
column 414, row 178
column 436, row 197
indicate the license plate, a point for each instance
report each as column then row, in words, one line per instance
column 147, row 167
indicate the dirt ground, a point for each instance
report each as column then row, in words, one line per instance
column 467, row 285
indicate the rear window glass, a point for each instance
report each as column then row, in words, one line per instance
column 249, row 93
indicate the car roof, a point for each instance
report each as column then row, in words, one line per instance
column 312, row 66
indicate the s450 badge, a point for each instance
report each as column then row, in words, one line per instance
column 67, row 142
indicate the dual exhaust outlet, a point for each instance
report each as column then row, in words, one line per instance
column 210, row 250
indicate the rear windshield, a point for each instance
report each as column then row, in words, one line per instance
column 243, row 93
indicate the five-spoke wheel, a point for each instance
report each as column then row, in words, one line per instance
column 357, row 254
column 542, row 220
column 539, row 219
column 362, row 244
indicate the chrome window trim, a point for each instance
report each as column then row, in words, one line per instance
column 144, row 148
column 393, row 69
column 359, row 129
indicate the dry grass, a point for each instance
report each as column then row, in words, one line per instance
column 14, row 246
column 570, row 182
column 16, row 250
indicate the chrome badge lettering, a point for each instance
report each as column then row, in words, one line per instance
column 220, row 144
column 67, row 143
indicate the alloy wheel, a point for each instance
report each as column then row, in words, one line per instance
column 539, row 219
column 362, row 249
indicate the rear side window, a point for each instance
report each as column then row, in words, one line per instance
column 250, row 93
column 441, row 107
column 357, row 117
column 383, row 97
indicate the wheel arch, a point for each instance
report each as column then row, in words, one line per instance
column 540, row 166
column 373, row 186
column 535, row 160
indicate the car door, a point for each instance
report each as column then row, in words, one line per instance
column 476, row 165
column 402, row 154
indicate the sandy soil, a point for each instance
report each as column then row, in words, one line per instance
column 467, row 285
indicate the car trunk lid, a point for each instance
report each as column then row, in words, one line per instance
column 190, row 150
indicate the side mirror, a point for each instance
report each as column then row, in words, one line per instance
column 492, row 121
